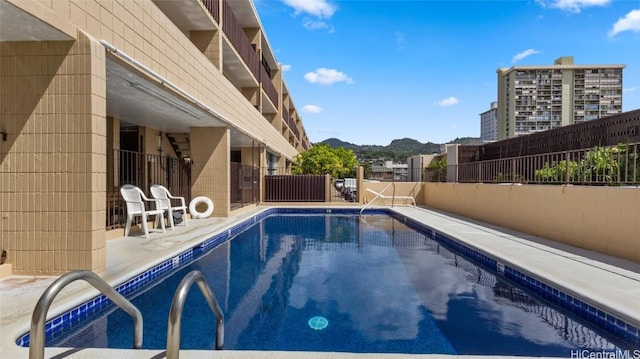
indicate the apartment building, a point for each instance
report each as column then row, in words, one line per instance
column 389, row 172
column 97, row 94
column 489, row 124
column 539, row 98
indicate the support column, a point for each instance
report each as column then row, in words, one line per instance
column 452, row 162
column 210, row 152
column 53, row 164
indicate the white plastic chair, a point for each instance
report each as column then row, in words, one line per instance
column 135, row 199
column 164, row 197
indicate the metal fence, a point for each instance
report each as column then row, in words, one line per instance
column 296, row 188
column 245, row 186
column 143, row 170
column 612, row 165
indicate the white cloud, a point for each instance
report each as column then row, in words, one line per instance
column 286, row 68
column 318, row 8
column 572, row 5
column 310, row 24
column 312, row 109
column 630, row 89
column 630, row 22
column 524, row 54
column 324, row 76
column 449, row 101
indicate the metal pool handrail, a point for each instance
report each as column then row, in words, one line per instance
column 37, row 334
column 374, row 198
column 175, row 314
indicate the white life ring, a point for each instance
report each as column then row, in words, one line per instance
column 195, row 202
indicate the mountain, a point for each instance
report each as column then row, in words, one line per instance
column 334, row 142
column 398, row 150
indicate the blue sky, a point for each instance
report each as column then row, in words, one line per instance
column 371, row 71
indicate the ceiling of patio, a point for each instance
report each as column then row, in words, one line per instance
column 135, row 99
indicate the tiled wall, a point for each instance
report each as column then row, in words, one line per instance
column 600, row 218
column 208, row 42
column 53, row 164
column 210, row 171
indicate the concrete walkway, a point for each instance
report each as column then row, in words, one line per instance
column 612, row 283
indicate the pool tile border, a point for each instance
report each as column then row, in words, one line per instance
column 541, row 288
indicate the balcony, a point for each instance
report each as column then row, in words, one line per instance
column 243, row 47
column 269, row 90
column 292, row 126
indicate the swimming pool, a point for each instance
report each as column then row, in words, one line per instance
column 380, row 285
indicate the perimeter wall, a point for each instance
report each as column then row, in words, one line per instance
column 603, row 219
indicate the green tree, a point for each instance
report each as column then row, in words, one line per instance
column 600, row 164
column 438, row 167
column 348, row 162
column 557, row 171
column 323, row 159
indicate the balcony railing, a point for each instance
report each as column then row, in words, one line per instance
column 239, row 40
column 296, row 133
column 286, row 116
column 614, row 165
column 143, row 170
column 214, row 8
column 267, row 86
column 290, row 123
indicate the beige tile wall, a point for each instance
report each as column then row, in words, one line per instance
column 53, row 166
column 604, row 219
column 208, row 42
column 210, row 171
column 413, row 189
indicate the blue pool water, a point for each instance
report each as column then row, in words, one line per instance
column 337, row 283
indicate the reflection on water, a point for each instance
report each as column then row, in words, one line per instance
column 382, row 287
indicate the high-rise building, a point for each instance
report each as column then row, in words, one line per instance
column 539, row 98
column 489, row 124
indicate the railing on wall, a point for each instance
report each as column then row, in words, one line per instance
column 245, row 185
column 143, row 170
column 296, row 188
column 613, row 165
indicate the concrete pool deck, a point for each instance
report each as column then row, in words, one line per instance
column 611, row 282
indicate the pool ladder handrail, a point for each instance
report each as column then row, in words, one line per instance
column 175, row 313
column 374, row 198
column 37, row 331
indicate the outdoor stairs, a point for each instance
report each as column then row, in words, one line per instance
column 180, row 144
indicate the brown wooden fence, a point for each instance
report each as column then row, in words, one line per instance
column 296, row 188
